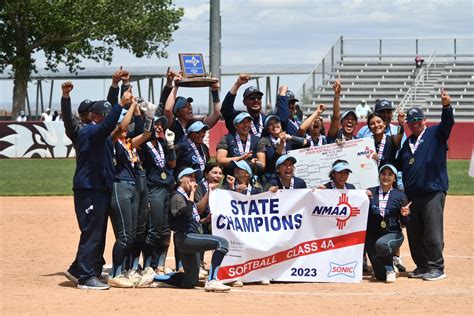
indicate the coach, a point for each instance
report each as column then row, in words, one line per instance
column 423, row 162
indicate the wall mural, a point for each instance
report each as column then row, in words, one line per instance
column 34, row 140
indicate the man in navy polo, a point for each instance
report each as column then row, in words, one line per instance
column 253, row 103
column 423, row 162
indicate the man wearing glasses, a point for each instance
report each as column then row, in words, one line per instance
column 253, row 103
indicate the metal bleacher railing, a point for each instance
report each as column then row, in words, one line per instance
column 385, row 68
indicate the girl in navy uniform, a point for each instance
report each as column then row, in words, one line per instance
column 243, row 180
column 285, row 166
column 185, row 222
column 385, row 146
column 312, row 128
column 192, row 152
column 348, row 120
column 277, row 143
column 241, row 145
column 339, row 174
column 388, row 209
column 160, row 159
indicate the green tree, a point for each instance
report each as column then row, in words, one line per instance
column 69, row 31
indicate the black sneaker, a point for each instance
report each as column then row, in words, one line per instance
column 434, row 275
column 398, row 262
column 71, row 277
column 418, row 273
column 92, row 284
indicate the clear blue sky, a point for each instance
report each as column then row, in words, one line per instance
column 282, row 32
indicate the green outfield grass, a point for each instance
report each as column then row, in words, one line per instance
column 54, row 177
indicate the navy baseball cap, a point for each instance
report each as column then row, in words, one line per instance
column 251, row 91
column 101, row 107
column 181, row 103
column 242, row 164
column 85, row 106
column 383, row 104
column 196, row 127
column 161, row 119
column 269, row 118
column 415, row 114
column 389, row 166
column 284, row 158
column 240, row 117
column 188, row 171
column 346, row 113
column 291, row 96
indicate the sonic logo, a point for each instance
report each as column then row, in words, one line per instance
column 347, row 269
column 367, row 152
column 343, row 211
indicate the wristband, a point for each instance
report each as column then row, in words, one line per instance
column 215, row 96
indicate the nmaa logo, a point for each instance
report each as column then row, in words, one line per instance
column 347, row 269
column 342, row 211
column 367, row 152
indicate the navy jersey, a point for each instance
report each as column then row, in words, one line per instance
column 186, row 156
column 348, row 186
column 155, row 172
column 181, row 217
column 229, row 112
column 339, row 135
column 425, row 171
column 392, row 216
column 178, row 130
column 389, row 151
column 229, row 143
column 292, row 126
column 94, row 167
column 124, row 170
column 298, row 183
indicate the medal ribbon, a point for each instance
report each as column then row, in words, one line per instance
column 292, row 183
column 260, row 126
column 131, row 153
column 240, row 146
column 415, row 146
column 333, row 185
column 195, row 211
column 158, row 157
column 383, row 201
column 201, row 159
column 381, row 148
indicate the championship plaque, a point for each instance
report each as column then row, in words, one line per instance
column 194, row 71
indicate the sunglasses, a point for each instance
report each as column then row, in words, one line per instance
column 255, row 98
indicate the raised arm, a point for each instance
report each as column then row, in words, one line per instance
column 213, row 118
column 71, row 124
column 309, row 121
column 113, row 94
column 168, row 112
column 228, row 110
column 336, row 110
column 447, row 117
column 282, row 110
column 397, row 139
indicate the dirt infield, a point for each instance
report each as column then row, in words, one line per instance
column 39, row 237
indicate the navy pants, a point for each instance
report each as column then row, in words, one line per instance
column 124, row 216
column 190, row 246
column 380, row 250
column 92, row 210
column 425, row 230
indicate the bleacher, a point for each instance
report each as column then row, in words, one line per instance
column 373, row 79
column 393, row 77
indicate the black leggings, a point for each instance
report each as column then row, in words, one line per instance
column 190, row 245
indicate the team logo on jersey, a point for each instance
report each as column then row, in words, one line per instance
column 342, row 212
column 347, row 269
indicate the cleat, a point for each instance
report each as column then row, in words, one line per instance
column 121, row 281
column 391, row 277
column 147, row 278
column 236, row 283
column 216, row 286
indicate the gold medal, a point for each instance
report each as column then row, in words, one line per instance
column 163, row 175
column 411, row 161
column 383, row 224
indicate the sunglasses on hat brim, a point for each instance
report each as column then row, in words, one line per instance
column 255, row 97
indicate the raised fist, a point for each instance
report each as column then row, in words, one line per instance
column 445, row 98
column 243, row 79
column 337, row 87
column 67, row 87
column 169, row 136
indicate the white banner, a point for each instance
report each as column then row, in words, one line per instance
column 314, row 163
column 292, row 235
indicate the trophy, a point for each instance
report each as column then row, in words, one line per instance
column 194, row 71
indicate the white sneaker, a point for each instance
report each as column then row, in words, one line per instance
column 203, row 272
column 134, row 276
column 264, row 282
column 216, row 286
column 121, row 281
column 236, row 283
column 147, row 277
column 391, row 277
